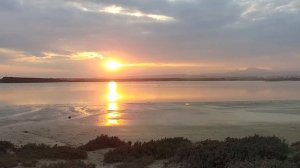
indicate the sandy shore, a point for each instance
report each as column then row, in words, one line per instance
column 77, row 124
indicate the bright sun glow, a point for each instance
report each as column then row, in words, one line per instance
column 113, row 65
column 113, row 116
column 113, row 94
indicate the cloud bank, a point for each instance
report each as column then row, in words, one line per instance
column 72, row 37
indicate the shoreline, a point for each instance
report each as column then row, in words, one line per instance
column 212, row 79
column 52, row 124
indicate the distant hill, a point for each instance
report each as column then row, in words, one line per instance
column 261, row 73
column 243, row 73
column 251, row 72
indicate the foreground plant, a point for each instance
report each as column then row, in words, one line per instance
column 254, row 151
column 142, row 154
column 28, row 155
column 248, row 152
column 102, row 142
column 218, row 154
column 69, row 164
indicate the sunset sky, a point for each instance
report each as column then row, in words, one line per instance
column 64, row 38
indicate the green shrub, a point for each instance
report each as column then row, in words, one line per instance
column 241, row 164
column 101, row 142
column 69, row 164
column 7, row 161
column 43, row 151
column 217, row 154
column 5, row 145
column 138, row 163
column 276, row 164
column 159, row 149
column 296, row 157
column 263, row 164
column 29, row 163
column 257, row 147
column 120, row 154
column 249, row 152
column 207, row 154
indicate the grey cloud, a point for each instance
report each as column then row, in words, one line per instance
column 205, row 30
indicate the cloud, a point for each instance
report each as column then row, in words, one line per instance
column 234, row 33
column 28, row 71
column 122, row 11
column 118, row 10
column 86, row 55
column 176, row 65
column 261, row 9
column 12, row 55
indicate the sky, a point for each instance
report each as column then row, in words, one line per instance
column 75, row 38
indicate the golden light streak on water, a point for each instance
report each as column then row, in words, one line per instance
column 113, row 116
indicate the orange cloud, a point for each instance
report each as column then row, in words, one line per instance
column 86, row 55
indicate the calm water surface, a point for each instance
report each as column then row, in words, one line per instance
column 160, row 109
column 143, row 92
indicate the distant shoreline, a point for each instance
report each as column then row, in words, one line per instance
column 58, row 80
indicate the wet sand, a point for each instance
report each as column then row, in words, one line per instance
column 77, row 124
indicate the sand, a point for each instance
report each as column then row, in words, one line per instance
column 76, row 124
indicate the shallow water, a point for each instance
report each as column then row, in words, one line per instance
column 142, row 92
column 72, row 113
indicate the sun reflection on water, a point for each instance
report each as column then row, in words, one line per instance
column 113, row 116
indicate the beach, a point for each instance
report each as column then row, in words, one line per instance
column 76, row 124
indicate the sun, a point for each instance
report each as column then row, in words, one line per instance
column 113, row 65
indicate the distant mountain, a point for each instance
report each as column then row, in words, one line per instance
column 251, row 72
column 243, row 73
column 255, row 73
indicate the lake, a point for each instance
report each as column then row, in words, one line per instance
column 72, row 113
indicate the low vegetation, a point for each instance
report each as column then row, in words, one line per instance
column 5, row 147
column 141, row 154
column 27, row 155
column 296, row 152
column 43, row 151
column 221, row 154
column 69, row 164
column 101, row 142
column 264, row 164
column 248, row 152
column 137, row 163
